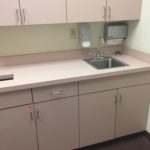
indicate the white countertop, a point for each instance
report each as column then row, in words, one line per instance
column 43, row 74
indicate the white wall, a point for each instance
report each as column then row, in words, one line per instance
column 16, row 40
column 139, row 35
column 148, row 125
column 139, row 32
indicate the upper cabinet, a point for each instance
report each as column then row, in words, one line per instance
column 118, row 10
column 28, row 12
column 86, row 10
column 43, row 11
column 9, row 12
column 103, row 10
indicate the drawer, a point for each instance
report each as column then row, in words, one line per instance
column 54, row 92
column 114, row 82
column 15, row 98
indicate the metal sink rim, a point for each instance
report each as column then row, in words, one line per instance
column 120, row 63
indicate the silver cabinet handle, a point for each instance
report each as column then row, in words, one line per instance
column 23, row 16
column 115, row 99
column 120, row 98
column 109, row 12
column 31, row 115
column 56, row 93
column 104, row 16
column 37, row 115
column 18, row 16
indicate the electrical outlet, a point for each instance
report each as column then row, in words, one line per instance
column 73, row 33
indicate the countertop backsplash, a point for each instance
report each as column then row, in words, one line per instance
column 18, row 40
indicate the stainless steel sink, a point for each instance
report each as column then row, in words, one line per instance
column 105, row 63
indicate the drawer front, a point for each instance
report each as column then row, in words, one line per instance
column 114, row 82
column 54, row 92
column 15, row 98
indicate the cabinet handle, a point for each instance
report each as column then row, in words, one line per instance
column 18, row 15
column 109, row 12
column 56, row 93
column 37, row 115
column 23, row 16
column 104, row 16
column 31, row 115
column 115, row 99
column 120, row 98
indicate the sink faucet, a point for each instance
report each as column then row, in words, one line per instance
column 99, row 52
column 99, row 48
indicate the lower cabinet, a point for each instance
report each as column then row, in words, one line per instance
column 57, row 124
column 132, row 109
column 97, row 117
column 63, row 123
column 17, row 129
column 110, row 114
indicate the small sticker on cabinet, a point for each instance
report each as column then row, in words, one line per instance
column 29, row 107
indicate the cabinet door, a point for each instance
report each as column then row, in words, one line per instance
column 57, row 124
column 9, row 12
column 43, row 11
column 86, row 10
column 123, row 10
column 97, row 117
column 132, row 110
column 17, row 129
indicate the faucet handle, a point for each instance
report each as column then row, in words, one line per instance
column 94, row 56
column 103, row 41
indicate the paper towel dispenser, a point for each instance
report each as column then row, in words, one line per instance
column 115, row 31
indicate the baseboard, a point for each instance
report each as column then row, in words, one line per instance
column 94, row 146
column 53, row 56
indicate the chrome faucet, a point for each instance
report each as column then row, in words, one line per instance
column 98, row 53
column 99, row 47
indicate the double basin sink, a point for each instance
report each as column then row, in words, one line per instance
column 105, row 62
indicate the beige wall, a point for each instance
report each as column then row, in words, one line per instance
column 139, row 35
column 41, row 38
